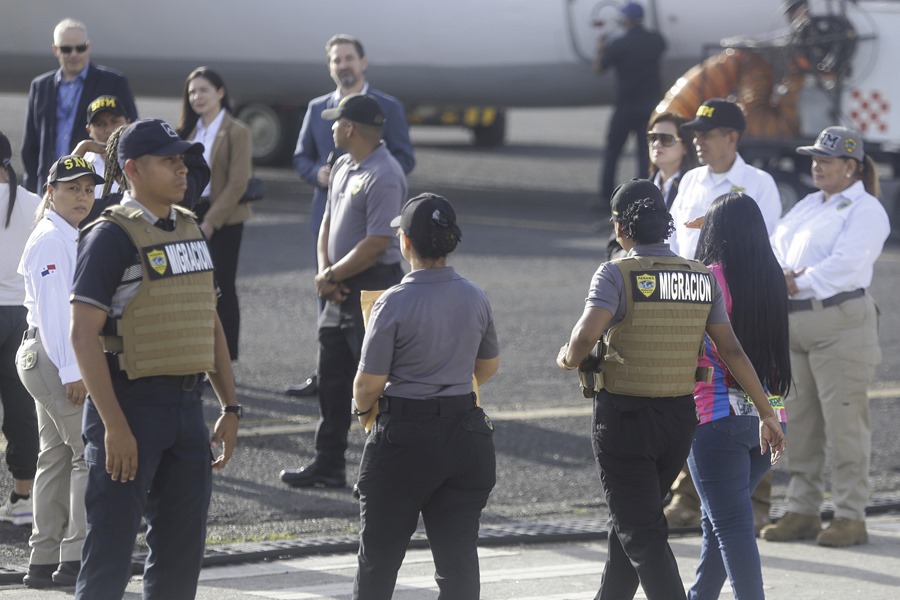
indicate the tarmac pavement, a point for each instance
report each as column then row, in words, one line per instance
column 556, row 571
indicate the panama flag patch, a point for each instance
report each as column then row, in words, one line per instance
column 48, row 270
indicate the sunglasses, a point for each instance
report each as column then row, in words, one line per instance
column 665, row 139
column 80, row 49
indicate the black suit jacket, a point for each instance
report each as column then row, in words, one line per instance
column 39, row 143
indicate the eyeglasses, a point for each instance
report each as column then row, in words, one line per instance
column 665, row 139
column 80, row 49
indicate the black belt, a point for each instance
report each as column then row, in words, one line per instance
column 30, row 334
column 186, row 383
column 441, row 405
column 812, row 304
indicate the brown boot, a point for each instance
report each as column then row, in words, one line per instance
column 792, row 527
column 844, row 532
column 680, row 515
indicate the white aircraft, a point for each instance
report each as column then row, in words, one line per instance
column 457, row 63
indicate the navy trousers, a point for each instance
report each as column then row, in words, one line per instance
column 171, row 491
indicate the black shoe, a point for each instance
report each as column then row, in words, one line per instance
column 308, row 388
column 315, row 474
column 39, row 576
column 67, row 573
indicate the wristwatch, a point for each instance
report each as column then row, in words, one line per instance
column 236, row 409
column 329, row 276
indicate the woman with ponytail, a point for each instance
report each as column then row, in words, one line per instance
column 49, row 371
column 431, row 449
column 827, row 245
column 17, row 209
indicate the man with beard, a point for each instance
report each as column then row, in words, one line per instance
column 316, row 154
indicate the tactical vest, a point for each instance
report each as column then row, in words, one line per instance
column 653, row 351
column 168, row 327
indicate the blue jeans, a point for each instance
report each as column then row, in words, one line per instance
column 726, row 466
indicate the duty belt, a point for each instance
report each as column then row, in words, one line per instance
column 439, row 405
column 813, row 304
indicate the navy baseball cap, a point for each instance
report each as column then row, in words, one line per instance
column 104, row 103
column 424, row 212
column 154, row 137
column 717, row 112
column 359, row 108
column 630, row 192
column 840, row 142
column 71, row 167
column 632, row 10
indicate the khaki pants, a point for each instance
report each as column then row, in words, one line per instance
column 834, row 352
column 60, row 523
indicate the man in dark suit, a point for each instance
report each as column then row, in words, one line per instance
column 315, row 153
column 57, row 102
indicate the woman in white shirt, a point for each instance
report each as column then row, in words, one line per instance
column 47, row 367
column 827, row 245
column 228, row 149
column 17, row 206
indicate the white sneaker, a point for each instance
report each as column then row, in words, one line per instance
column 18, row 512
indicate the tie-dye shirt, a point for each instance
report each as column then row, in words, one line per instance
column 723, row 396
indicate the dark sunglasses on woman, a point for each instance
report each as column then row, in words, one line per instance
column 665, row 139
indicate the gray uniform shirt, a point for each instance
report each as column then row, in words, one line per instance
column 363, row 198
column 426, row 332
column 608, row 288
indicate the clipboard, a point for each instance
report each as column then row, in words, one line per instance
column 367, row 299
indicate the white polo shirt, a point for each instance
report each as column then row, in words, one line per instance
column 699, row 187
column 836, row 241
column 48, row 266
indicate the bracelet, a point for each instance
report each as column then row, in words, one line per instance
column 359, row 413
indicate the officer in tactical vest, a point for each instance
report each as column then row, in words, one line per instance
column 651, row 309
column 144, row 330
